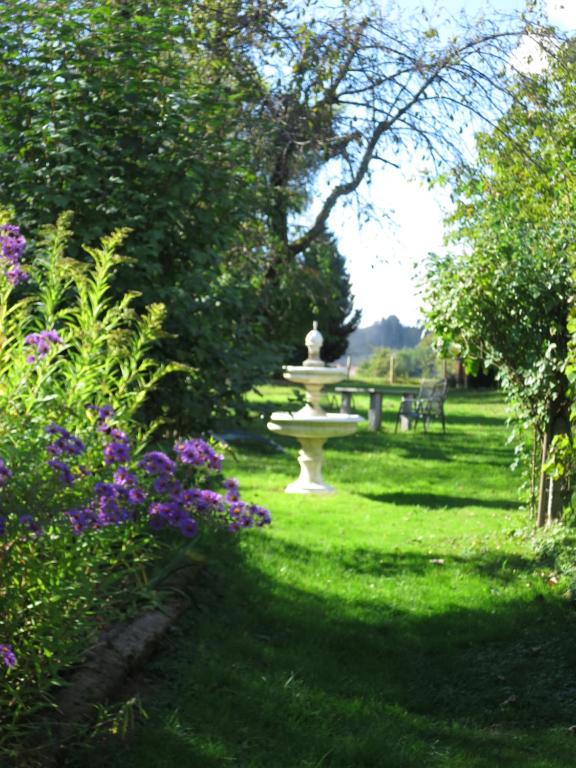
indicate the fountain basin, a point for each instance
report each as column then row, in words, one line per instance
column 325, row 426
column 312, row 431
column 314, row 375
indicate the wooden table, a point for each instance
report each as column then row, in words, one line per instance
column 375, row 407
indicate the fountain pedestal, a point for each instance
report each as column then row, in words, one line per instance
column 311, row 425
column 310, row 457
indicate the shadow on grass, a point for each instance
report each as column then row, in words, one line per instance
column 438, row 501
column 273, row 675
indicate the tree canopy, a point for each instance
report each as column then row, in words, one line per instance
column 505, row 295
column 203, row 127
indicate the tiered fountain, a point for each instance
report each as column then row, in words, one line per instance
column 311, row 425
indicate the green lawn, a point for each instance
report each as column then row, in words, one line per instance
column 401, row 623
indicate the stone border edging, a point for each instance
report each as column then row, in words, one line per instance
column 118, row 654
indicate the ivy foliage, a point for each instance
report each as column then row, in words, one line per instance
column 505, row 292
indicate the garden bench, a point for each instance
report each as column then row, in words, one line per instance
column 375, row 406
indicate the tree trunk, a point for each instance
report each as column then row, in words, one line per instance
column 552, row 494
column 535, row 442
column 541, row 514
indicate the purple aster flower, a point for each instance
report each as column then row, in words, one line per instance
column 5, row 473
column 105, row 489
column 136, row 496
column 260, row 515
column 80, row 520
column 12, row 247
column 27, row 521
column 66, row 474
column 104, row 412
column 209, row 501
column 12, row 242
column 69, row 444
column 117, row 434
column 157, row 463
column 236, row 509
column 157, row 522
column 116, row 453
column 123, row 476
column 198, row 453
column 231, row 484
column 165, row 484
column 7, row 655
column 189, row 496
column 42, row 341
column 55, row 429
column 16, row 275
column 188, row 527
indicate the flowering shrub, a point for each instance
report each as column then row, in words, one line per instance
column 12, row 246
column 82, row 498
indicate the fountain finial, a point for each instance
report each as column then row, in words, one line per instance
column 314, row 341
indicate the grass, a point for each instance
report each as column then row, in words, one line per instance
column 402, row 623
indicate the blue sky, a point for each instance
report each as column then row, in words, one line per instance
column 383, row 255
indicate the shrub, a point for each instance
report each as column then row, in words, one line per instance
column 81, row 494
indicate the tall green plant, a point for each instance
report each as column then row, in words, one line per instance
column 504, row 296
column 103, row 355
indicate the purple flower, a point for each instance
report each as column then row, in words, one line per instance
column 188, row 527
column 12, row 242
column 105, row 489
column 209, row 501
column 157, row 522
column 260, row 515
column 236, row 509
column 7, row 655
column 198, row 453
column 2, row 525
column 189, row 496
column 12, row 247
column 16, row 275
column 122, row 476
column 69, row 444
column 116, row 453
column 136, row 496
column 231, row 484
column 164, row 484
column 104, row 412
column 42, row 341
column 157, row 463
column 27, row 521
column 66, row 474
column 55, row 429
column 5, row 473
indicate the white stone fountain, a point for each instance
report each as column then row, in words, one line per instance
column 311, row 425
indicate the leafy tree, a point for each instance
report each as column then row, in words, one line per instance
column 203, row 127
column 113, row 110
column 505, row 296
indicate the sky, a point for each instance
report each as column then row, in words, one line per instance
column 383, row 254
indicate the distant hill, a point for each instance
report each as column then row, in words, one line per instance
column 388, row 332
